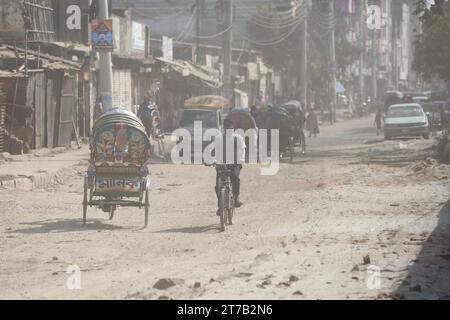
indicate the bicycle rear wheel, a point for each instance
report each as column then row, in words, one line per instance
column 222, row 209
column 85, row 204
column 230, row 211
column 146, row 208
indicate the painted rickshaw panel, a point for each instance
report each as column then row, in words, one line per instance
column 119, row 150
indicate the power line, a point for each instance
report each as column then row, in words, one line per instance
column 272, row 42
column 291, row 23
column 186, row 28
column 211, row 36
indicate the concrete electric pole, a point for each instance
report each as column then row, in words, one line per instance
column 105, row 64
column 304, row 55
column 333, row 65
column 374, row 65
column 363, row 27
column 227, row 41
column 196, row 54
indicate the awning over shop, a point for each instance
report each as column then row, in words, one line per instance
column 46, row 61
column 207, row 75
column 6, row 74
column 339, row 87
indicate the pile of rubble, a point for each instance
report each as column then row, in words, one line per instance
column 430, row 168
column 399, row 153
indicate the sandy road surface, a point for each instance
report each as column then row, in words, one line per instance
column 310, row 232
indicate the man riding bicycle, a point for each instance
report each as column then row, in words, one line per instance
column 235, row 166
column 145, row 113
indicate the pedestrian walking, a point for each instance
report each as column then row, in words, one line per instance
column 379, row 118
column 312, row 124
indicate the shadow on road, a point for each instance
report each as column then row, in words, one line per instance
column 192, row 230
column 64, row 225
column 428, row 277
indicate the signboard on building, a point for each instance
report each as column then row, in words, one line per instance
column 138, row 36
column 167, row 48
column 209, row 62
column 102, row 35
column 253, row 71
column 69, row 18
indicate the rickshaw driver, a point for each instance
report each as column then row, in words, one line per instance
column 235, row 167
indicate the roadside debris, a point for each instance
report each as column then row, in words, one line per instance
column 166, row 283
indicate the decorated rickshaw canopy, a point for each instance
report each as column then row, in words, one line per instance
column 293, row 104
column 118, row 116
column 119, row 136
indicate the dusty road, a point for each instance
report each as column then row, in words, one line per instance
column 311, row 232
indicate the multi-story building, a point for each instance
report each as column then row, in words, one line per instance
column 387, row 51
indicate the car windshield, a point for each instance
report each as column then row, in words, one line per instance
column 405, row 112
column 207, row 118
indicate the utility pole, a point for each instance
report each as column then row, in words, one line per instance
column 227, row 41
column 396, row 14
column 374, row 65
column 363, row 28
column 395, row 53
column 304, row 56
column 333, row 66
column 147, row 42
column 105, row 63
column 197, row 32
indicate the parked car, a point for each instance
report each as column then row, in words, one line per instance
column 406, row 120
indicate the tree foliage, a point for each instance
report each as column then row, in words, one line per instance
column 432, row 55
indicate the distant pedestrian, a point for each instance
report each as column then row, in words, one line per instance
column 379, row 118
column 312, row 124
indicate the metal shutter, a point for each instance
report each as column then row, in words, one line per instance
column 122, row 92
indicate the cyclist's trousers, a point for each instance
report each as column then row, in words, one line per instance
column 235, row 180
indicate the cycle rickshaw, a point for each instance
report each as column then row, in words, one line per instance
column 298, row 116
column 118, row 175
column 278, row 118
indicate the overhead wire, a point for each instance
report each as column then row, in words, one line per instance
column 273, row 42
column 293, row 22
column 211, row 36
column 186, row 28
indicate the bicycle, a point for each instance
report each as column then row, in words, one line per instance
column 153, row 129
column 225, row 195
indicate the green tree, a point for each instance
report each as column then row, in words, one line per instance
column 432, row 55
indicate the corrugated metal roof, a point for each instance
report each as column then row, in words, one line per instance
column 5, row 74
column 47, row 61
column 204, row 74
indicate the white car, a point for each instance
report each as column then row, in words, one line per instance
column 406, row 120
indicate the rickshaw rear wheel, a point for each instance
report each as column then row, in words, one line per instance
column 112, row 210
column 85, row 205
column 291, row 149
column 147, row 207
